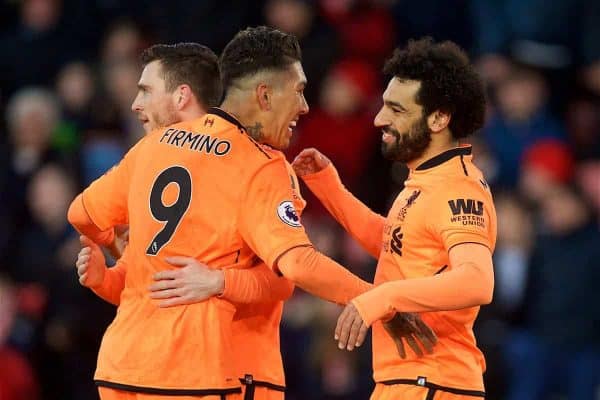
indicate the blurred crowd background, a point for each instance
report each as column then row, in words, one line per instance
column 68, row 74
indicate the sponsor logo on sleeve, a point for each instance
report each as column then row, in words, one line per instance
column 467, row 212
column 287, row 214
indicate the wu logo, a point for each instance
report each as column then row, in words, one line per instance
column 466, row 206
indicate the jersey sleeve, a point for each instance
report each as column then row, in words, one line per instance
column 364, row 225
column 268, row 221
column 472, row 271
column 255, row 285
column 105, row 200
column 464, row 214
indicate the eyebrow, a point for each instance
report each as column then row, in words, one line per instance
column 142, row 86
column 390, row 103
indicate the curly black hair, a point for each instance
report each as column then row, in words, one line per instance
column 189, row 63
column 449, row 82
column 256, row 49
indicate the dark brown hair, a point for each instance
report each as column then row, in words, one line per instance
column 188, row 63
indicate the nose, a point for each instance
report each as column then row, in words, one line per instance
column 304, row 108
column 137, row 104
column 380, row 119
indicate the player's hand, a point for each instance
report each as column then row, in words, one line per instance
column 410, row 327
column 350, row 331
column 192, row 283
column 309, row 161
column 91, row 265
column 121, row 240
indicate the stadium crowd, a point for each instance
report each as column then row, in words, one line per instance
column 68, row 76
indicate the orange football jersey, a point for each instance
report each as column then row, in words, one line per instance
column 203, row 189
column 445, row 202
column 256, row 326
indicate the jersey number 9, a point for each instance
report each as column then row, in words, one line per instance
column 171, row 214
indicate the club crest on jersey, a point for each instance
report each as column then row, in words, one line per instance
column 409, row 202
column 287, row 214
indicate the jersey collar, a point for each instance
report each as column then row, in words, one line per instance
column 227, row 117
column 445, row 156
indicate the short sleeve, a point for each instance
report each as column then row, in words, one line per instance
column 464, row 214
column 105, row 200
column 268, row 221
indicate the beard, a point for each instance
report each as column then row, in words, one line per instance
column 166, row 117
column 407, row 146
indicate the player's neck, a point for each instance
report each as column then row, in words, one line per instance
column 191, row 113
column 438, row 145
column 238, row 108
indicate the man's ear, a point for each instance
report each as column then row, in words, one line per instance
column 438, row 120
column 182, row 96
column 264, row 95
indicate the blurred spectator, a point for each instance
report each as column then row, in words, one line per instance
column 583, row 126
column 365, row 28
column 318, row 41
column 545, row 163
column 45, row 255
column 122, row 43
column 87, row 52
column 511, row 265
column 511, row 256
column 521, row 119
column 536, row 34
column 75, row 88
column 34, row 52
column 99, row 154
column 588, row 177
column 17, row 380
column 32, row 115
column 558, row 348
column 341, row 125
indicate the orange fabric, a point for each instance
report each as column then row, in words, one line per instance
column 471, row 262
column 364, row 225
column 112, row 394
column 396, row 392
column 320, row 275
column 226, row 201
column 256, row 326
column 257, row 285
column 114, row 281
column 79, row 218
column 444, row 203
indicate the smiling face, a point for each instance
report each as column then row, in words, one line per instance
column 154, row 105
column 406, row 134
column 287, row 105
